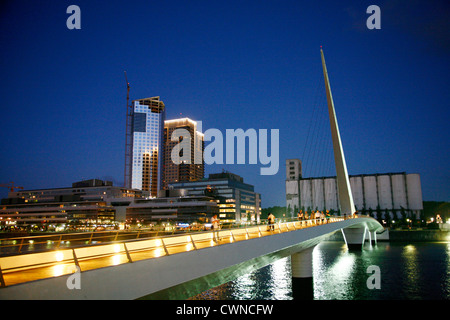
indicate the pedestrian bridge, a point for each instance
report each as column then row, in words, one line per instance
column 170, row 267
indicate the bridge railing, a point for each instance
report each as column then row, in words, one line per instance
column 19, row 245
column 62, row 261
column 40, row 243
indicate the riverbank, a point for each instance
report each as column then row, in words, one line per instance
column 405, row 236
column 419, row 235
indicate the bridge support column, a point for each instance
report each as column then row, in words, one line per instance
column 302, row 275
column 354, row 237
column 374, row 238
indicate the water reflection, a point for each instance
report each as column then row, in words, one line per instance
column 332, row 276
column 243, row 287
column 280, row 287
column 411, row 273
column 272, row 282
column 408, row 271
column 447, row 280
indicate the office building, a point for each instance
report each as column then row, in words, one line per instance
column 392, row 193
column 190, row 145
column 144, row 154
column 238, row 201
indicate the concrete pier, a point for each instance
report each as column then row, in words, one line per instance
column 373, row 237
column 302, row 275
column 354, row 237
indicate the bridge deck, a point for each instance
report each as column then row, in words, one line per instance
column 36, row 266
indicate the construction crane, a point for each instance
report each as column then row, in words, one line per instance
column 128, row 89
column 128, row 139
column 10, row 186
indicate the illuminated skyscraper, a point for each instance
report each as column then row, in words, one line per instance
column 192, row 169
column 145, row 154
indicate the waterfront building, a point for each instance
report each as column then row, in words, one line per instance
column 172, row 206
column 144, row 156
column 392, row 193
column 192, row 167
column 238, row 201
column 88, row 204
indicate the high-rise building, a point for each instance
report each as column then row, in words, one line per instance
column 146, row 149
column 190, row 166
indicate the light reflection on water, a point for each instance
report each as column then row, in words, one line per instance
column 332, row 277
column 408, row 271
column 411, row 280
column 271, row 282
column 446, row 285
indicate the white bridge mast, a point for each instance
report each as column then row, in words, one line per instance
column 346, row 203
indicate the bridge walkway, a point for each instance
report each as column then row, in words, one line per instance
column 36, row 266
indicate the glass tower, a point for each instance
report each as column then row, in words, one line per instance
column 147, row 127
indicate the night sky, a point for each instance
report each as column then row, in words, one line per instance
column 231, row 64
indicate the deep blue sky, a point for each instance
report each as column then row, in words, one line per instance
column 231, row 64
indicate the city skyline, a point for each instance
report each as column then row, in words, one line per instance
column 251, row 65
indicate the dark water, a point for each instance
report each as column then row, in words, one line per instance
column 419, row 270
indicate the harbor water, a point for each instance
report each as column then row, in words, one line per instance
column 406, row 271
